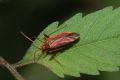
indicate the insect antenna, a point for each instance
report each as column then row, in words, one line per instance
column 26, row 36
column 29, row 39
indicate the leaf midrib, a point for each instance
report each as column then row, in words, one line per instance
column 100, row 40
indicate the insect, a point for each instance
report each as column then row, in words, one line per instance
column 57, row 43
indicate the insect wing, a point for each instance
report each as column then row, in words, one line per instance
column 64, row 40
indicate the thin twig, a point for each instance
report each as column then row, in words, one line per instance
column 11, row 68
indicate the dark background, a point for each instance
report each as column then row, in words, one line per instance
column 31, row 17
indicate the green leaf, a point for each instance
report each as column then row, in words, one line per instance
column 97, row 50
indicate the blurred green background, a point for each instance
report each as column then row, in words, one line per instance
column 31, row 17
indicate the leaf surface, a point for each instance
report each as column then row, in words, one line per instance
column 97, row 50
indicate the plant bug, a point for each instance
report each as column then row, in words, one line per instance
column 56, row 43
column 59, row 42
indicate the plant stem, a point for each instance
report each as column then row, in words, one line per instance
column 18, row 65
column 11, row 68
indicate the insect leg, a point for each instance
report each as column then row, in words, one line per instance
column 55, row 52
column 58, row 62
